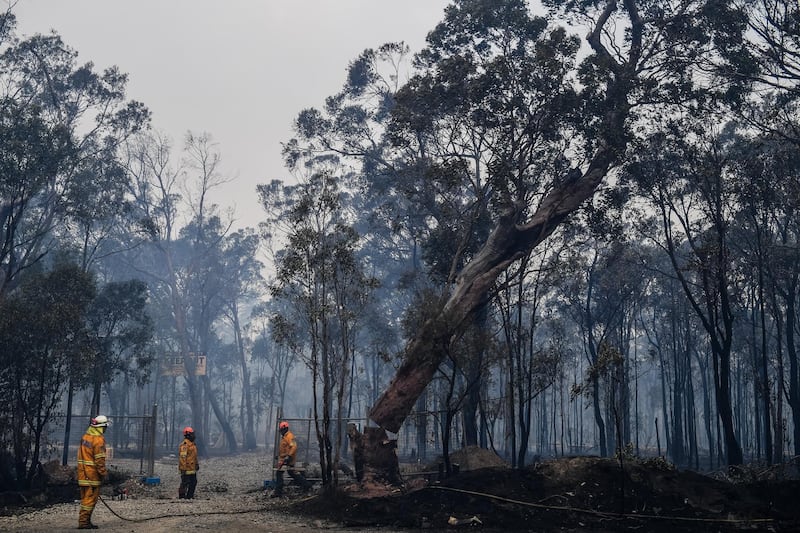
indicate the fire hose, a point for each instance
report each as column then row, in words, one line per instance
column 171, row 515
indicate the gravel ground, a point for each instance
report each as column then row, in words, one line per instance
column 229, row 497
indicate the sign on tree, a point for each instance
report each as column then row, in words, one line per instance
column 175, row 365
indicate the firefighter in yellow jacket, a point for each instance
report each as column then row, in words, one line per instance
column 188, row 465
column 91, row 468
column 287, row 453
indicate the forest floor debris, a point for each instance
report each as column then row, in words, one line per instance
column 574, row 494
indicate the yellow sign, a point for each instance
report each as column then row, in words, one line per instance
column 175, row 365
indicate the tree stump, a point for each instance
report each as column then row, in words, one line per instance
column 375, row 455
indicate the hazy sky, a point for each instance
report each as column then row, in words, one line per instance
column 239, row 70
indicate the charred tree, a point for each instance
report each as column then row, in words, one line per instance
column 375, row 456
column 508, row 243
column 520, row 227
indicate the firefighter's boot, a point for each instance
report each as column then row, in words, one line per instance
column 85, row 520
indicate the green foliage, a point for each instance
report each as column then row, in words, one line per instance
column 625, row 453
column 609, row 361
column 657, row 464
column 43, row 341
column 60, row 123
column 122, row 331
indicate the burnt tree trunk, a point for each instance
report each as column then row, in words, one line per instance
column 507, row 243
column 515, row 236
column 374, row 455
column 357, row 449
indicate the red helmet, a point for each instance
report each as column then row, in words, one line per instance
column 283, row 425
column 187, row 430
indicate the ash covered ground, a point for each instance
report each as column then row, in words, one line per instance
column 566, row 494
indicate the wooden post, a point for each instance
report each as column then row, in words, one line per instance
column 357, row 448
column 151, row 452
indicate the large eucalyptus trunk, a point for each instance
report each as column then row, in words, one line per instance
column 507, row 243
column 515, row 234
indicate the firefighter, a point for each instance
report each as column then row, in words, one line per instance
column 91, row 468
column 188, row 465
column 287, row 453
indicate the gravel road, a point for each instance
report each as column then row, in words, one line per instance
column 229, row 497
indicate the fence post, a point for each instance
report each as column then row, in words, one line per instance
column 275, row 443
column 151, row 451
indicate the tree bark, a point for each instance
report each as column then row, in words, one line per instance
column 375, row 455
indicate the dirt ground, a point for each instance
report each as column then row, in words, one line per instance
column 577, row 494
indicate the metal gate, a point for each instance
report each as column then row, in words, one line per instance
column 129, row 436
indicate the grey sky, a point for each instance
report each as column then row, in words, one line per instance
column 237, row 69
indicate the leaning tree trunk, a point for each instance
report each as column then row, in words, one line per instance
column 510, row 240
column 507, row 243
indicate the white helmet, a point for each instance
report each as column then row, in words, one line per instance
column 100, row 421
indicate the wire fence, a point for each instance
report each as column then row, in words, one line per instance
column 418, row 441
column 137, row 437
column 131, row 437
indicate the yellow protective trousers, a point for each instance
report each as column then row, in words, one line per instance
column 89, row 496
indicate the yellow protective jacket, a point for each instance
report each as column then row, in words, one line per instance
column 287, row 451
column 92, row 458
column 187, row 457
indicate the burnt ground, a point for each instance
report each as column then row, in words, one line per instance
column 574, row 494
